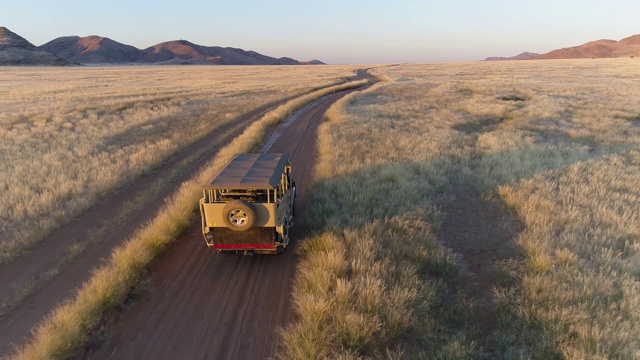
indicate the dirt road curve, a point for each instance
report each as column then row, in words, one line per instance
column 207, row 306
column 32, row 285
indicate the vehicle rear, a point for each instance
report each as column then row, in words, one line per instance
column 248, row 206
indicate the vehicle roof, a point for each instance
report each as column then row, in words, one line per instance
column 250, row 171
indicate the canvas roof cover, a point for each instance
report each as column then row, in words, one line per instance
column 250, row 171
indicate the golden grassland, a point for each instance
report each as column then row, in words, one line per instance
column 72, row 135
column 69, row 326
column 557, row 142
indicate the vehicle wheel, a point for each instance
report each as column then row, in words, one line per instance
column 238, row 215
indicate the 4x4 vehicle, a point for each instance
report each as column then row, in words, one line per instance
column 248, row 206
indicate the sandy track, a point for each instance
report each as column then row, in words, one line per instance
column 36, row 282
column 203, row 305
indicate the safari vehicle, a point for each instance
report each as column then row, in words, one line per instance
column 248, row 206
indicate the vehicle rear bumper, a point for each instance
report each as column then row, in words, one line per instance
column 258, row 240
column 243, row 246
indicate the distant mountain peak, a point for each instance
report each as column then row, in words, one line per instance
column 631, row 40
column 10, row 39
column 92, row 50
column 603, row 48
column 16, row 50
column 186, row 52
column 522, row 56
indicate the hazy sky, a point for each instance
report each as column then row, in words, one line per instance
column 335, row 31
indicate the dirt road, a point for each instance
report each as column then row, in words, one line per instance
column 34, row 284
column 201, row 305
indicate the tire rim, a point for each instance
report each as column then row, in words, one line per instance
column 238, row 217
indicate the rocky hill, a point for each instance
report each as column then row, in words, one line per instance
column 627, row 47
column 183, row 50
column 16, row 50
column 92, row 50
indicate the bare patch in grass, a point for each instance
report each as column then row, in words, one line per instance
column 466, row 92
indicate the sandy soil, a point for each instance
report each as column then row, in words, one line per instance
column 199, row 304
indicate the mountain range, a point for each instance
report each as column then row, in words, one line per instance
column 75, row 50
column 627, row 47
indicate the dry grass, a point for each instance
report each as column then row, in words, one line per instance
column 70, row 136
column 582, row 246
column 60, row 335
column 557, row 141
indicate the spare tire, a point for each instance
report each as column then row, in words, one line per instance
column 239, row 215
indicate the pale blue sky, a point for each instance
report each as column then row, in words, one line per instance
column 335, row 31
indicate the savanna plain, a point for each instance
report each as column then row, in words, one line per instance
column 71, row 136
column 461, row 210
column 211, row 97
column 485, row 210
